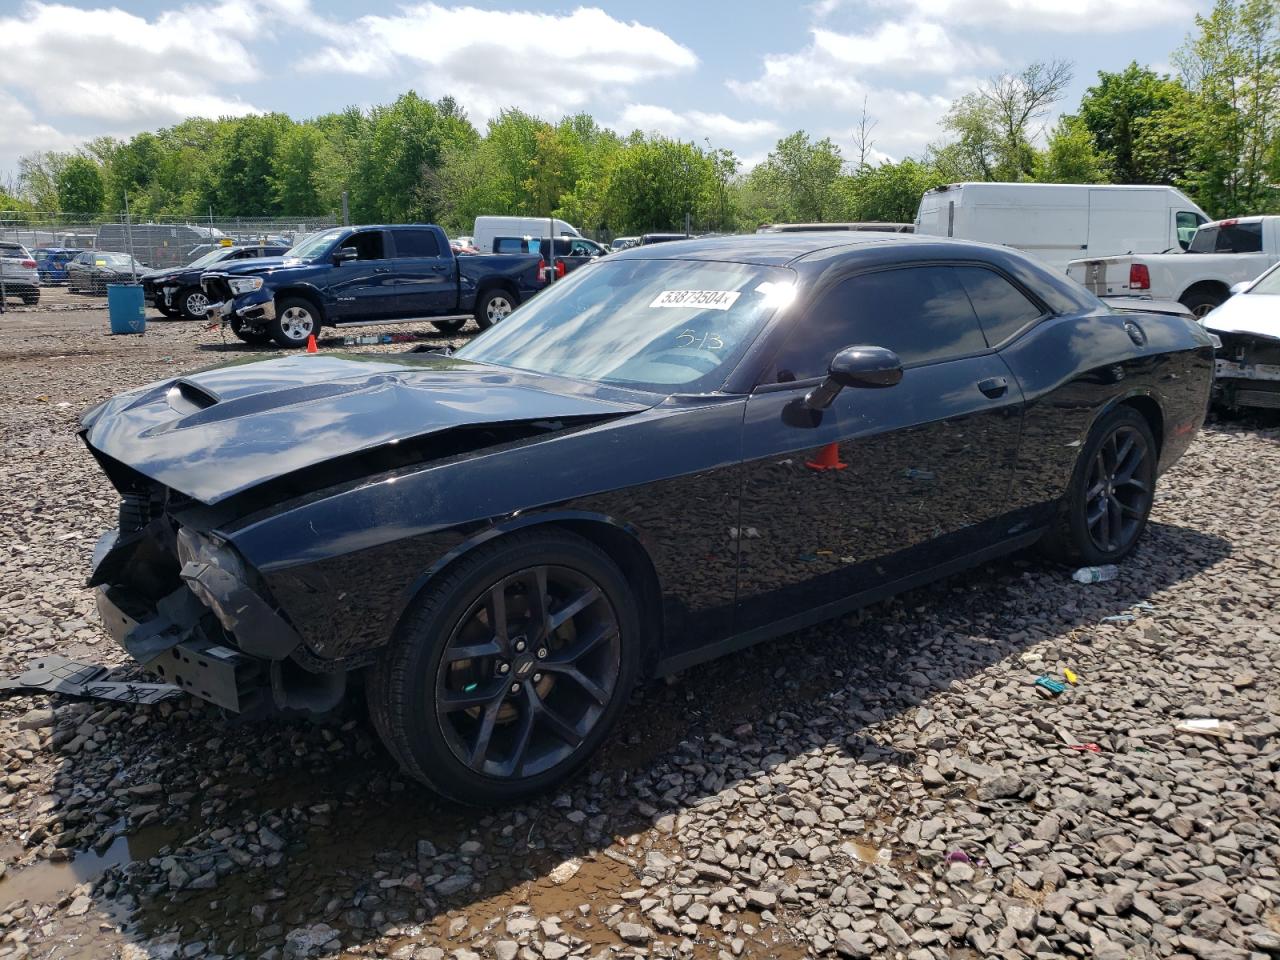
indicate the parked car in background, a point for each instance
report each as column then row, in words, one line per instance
column 464, row 242
column 496, row 546
column 458, row 246
column 18, row 269
column 51, row 263
column 624, row 243
column 487, row 228
column 650, row 238
column 176, row 292
column 1061, row 222
column 158, row 245
column 364, row 274
column 873, row 226
column 1247, row 369
column 570, row 252
column 1220, row 255
column 91, row 270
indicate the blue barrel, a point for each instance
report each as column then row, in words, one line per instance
column 124, row 306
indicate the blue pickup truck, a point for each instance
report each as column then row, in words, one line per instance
column 363, row 274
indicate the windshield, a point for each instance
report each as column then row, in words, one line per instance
column 314, row 244
column 1268, row 283
column 112, row 259
column 665, row 326
column 213, row 256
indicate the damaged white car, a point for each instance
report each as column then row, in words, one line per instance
column 1247, row 369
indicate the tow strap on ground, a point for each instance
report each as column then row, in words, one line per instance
column 54, row 674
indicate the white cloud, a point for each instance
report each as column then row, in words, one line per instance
column 112, row 65
column 693, row 125
column 1091, row 16
column 490, row 59
column 24, row 134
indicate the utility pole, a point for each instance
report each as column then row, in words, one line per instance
column 346, row 210
column 128, row 233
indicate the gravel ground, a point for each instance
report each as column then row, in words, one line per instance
column 889, row 785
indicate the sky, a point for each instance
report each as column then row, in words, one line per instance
column 725, row 74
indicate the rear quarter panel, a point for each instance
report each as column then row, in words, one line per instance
column 1074, row 369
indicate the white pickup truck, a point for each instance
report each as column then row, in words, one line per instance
column 1221, row 254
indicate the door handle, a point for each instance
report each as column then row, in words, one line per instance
column 381, row 269
column 994, row 387
column 438, row 268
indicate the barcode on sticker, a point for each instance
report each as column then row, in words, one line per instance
column 696, row 299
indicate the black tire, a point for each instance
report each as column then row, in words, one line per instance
column 1201, row 302
column 493, row 306
column 249, row 335
column 296, row 319
column 192, row 303
column 534, row 707
column 1106, row 507
column 30, row 297
column 449, row 326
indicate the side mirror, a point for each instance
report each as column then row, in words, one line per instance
column 344, row 254
column 858, row 366
column 1241, row 287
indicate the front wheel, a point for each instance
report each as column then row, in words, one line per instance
column 508, row 673
column 449, row 327
column 296, row 320
column 1112, row 489
column 248, row 334
column 192, row 303
column 493, row 307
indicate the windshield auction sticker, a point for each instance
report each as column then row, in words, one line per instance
column 696, row 299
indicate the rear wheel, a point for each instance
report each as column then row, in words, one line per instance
column 296, row 320
column 192, row 303
column 1202, row 302
column 494, row 306
column 509, row 672
column 1112, row 488
column 30, row 297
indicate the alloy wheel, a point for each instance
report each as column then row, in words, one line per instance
column 499, row 308
column 1118, row 493
column 528, row 672
column 197, row 304
column 297, row 324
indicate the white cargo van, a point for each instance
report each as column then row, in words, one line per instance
column 1060, row 222
column 489, row 228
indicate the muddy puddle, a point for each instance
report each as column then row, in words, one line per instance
column 49, row 881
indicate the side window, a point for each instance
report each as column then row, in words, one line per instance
column 580, row 249
column 415, row 244
column 921, row 313
column 1001, row 307
column 367, row 245
column 509, row 245
column 1186, row 222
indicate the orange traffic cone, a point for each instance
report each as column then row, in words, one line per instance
column 828, row 459
column 311, row 344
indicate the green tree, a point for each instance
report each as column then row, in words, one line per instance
column 295, row 170
column 654, row 183
column 38, row 178
column 1120, row 111
column 133, row 168
column 797, row 180
column 890, row 192
column 1232, row 66
column 1071, row 156
column 80, row 187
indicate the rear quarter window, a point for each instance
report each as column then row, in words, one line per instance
column 1228, row 238
column 1002, row 308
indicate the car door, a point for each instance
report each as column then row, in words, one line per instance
column 425, row 274
column 884, row 484
column 364, row 288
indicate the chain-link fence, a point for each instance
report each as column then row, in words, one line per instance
column 168, row 243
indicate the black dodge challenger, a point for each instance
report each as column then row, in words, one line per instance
column 678, row 451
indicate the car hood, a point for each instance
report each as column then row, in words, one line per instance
column 217, row 433
column 1250, row 313
column 256, row 265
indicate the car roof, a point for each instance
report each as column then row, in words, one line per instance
column 776, row 249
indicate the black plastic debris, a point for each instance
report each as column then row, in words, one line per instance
column 56, row 674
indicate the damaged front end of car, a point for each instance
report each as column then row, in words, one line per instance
column 1247, row 371
column 182, row 603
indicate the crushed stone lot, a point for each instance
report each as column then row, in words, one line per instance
column 892, row 784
